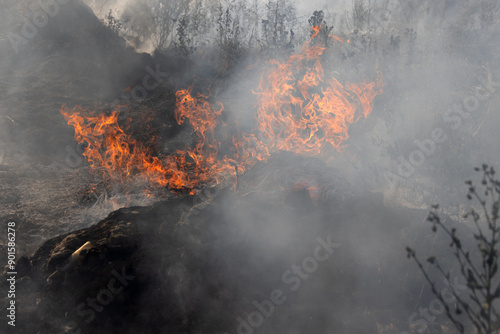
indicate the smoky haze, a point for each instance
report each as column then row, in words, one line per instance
column 432, row 55
column 435, row 120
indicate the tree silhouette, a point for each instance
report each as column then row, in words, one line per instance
column 479, row 268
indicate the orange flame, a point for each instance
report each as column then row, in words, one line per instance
column 299, row 109
column 339, row 39
column 110, row 150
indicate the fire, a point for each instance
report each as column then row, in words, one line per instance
column 110, row 150
column 119, row 157
column 299, row 109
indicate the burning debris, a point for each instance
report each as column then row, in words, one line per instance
column 299, row 109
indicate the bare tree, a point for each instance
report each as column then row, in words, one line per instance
column 277, row 27
column 100, row 7
column 478, row 267
column 165, row 17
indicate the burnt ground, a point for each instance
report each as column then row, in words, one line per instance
column 198, row 264
column 197, row 271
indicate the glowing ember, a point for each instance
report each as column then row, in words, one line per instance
column 298, row 110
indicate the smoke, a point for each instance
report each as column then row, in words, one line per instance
column 101, row 8
column 416, row 148
column 435, row 120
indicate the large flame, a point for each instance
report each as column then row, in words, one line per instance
column 299, row 109
column 110, row 151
